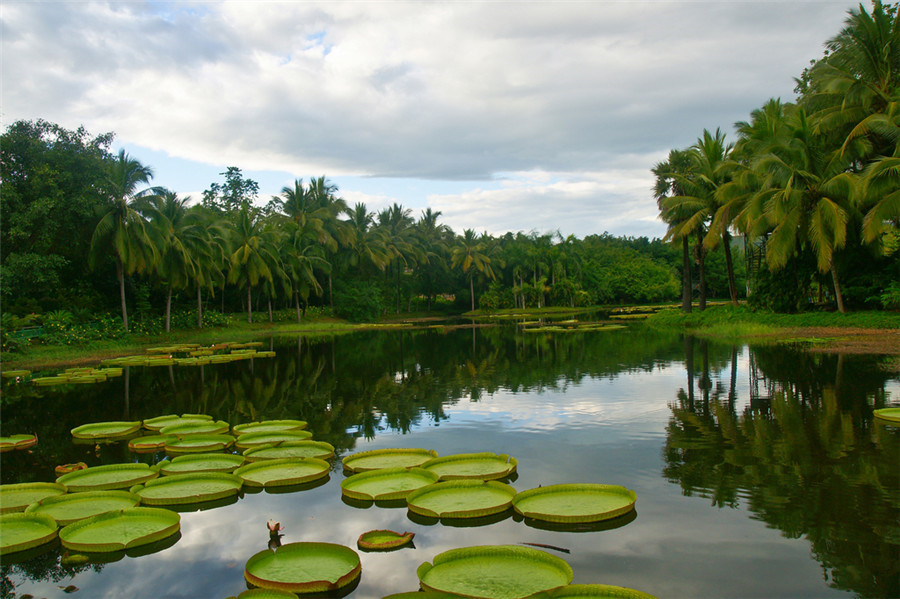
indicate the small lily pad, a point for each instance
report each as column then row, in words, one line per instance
column 248, row 440
column 304, row 568
column 494, row 572
column 17, row 497
column 461, row 499
column 475, row 466
column 387, row 458
column 196, row 427
column 597, row 591
column 201, row 462
column 66, row 468
column 109, row 477
column 889, row 414
column 17, row 442
column 181, row 489
column 120, row 529
column 198, row 444
column 106, row 430
column 386, row 484
column 290, row 449
column 383, row 540
column 19, row 532
column 277, row 473
column 156, row 424
column 570, row 503
column 69, row 508
column 269, row 426
column 149, row 443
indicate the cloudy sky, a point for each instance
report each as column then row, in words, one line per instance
column 503, row 115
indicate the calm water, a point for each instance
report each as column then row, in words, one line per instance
column 759, row 472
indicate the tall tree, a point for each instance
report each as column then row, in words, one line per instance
column 469, row 257
column 253, row 253
column 669, row 175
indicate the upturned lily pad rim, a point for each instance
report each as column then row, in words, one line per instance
column 369, row 540
column 26, row 488
column 141, row 473
column 51, row 506
column 168, row 523
column 201, row 462
column 326, row 450
column 525, row 560
column 248, row 440
column 477, row 488
column 627, row 500
column 350, row 487
column 177, row 489
column 41, row 529
column 149, row 443
column 268, row 426
column 196, row 427
column 20, row 441
column 351, row 464
column 889, row 414
column 307, row 584
column 157, row 423
column 598, row 591
column 198, row 444
column 502, row 465
column 95, row 430
column 320, row 471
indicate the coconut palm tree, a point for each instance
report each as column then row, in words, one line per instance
column 397, row 224
column 468, row 256
column 669, row 175
column 253, row 253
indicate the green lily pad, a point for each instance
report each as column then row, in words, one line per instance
column 494, row 572
column 197, row 427
column 598, row 591
column 149, row 443
column 201, row 462
column 269, row 426
column 109, row 477
column 72, row 507
column 248, row 440
column 17, row 442
column 461, row 499
column 198, row 444
column 181, row 489
column 480, row 466
column 575, row 502
column 11, row 374
column 387, row 458
column 19, row 532
column 279, row 473
column 304, row 568
column 156, row 424
column 422, row 595
column 121, row 529
column 17, row 497
column 266, row 594
column 889, row 414
column 386, row 484
column 383, row 540
column 106, row 430
column 290, row 449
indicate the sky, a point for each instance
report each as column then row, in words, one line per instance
column 533, row 116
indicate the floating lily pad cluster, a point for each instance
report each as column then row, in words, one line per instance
column 192, row 354
column 78, row 375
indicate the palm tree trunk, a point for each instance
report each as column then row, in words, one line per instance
column 199, row 307
column 249, row 306
column 837, row 288
column 729, row 267
column 120, row 275
column 297, row 304
column 701, row 263
column 169, row 308
column 472, row 291
column 398, row 287
column 330, row 293
column 686, row 283
column 269, row 300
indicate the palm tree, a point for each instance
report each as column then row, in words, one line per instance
column 432, row 239
column 121, row 229
column 301, row 256
column 210, row 252
column 253, row 255
column 668, row 184
column 368, row 245
column 468, row 256
column 399, row 235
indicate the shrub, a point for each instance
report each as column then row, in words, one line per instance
column 358, row 301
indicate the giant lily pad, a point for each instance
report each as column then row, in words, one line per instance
column 481, row 466
column 575, row 502
column 201, row 462
column 198, row 444
column 597, row 591
column 266, row 594
column 461, row 499
column 181, row 489
column 248, row 440
column 17, row 497
column 386, row 484
column 196, row 427
column 304, row 567
column 387, row 458
column 19, row 532
column 290, row 449
column 121, row 529
column 111, row 476
column 156, row 424
column 383, row 540
column 889, row 414
column 149, row 443
column 269, row 426
column 279, row 473
column 17, row 442
column 72, row 507
column 106, row 430
column 494, row 572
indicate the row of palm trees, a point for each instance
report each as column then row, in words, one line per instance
column 814, row 175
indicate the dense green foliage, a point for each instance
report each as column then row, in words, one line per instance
column 813, row 185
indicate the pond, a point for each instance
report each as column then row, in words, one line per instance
column 759, row 471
